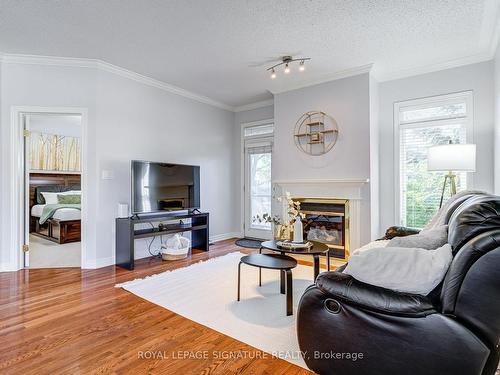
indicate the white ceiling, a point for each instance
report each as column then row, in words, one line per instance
column 211, row 47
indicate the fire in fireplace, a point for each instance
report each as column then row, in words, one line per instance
column 327, row 221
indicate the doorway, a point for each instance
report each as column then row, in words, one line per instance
column 258, row 141
column 52, row 189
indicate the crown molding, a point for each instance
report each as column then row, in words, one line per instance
column 249, row 107
column 110, row 68
column 418, row 70
column 325, row 78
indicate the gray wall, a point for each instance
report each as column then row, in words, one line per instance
column 476, row 77
column 126, row 120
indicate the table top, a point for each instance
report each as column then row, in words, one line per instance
column 270, row 261
column 316, row 249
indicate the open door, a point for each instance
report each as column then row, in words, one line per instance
column 52, row 190
column 258, row 189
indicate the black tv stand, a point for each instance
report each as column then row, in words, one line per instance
column 126, row 232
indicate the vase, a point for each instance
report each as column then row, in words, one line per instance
column 298, row 230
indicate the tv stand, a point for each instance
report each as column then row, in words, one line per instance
column 126, row 232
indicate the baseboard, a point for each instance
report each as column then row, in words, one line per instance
column 224, row 236
column 99, row 263
column 7, row 267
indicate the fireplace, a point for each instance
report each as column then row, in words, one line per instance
column 327, row 221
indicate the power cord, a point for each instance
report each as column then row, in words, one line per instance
column 151, row 243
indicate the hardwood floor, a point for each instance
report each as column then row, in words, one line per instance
column 72, row 321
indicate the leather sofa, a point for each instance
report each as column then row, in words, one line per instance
column 348, row 327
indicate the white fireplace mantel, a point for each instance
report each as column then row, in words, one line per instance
column 323, row 188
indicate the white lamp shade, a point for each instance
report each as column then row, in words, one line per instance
column 452, row 157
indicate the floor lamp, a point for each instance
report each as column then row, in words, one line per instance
column 451, row 158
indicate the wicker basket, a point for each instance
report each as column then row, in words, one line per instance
column 180, row 251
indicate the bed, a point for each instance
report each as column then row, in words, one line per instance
column 63, row 224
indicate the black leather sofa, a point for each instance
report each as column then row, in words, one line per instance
column 348, row 327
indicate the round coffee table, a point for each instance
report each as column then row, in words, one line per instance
column 316, row 250
column 283, row 263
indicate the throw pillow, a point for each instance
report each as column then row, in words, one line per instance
column 69, row 199
column 426, row 239
column 416, row 271
column 371, row 245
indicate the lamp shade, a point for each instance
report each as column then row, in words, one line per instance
column 452, row 157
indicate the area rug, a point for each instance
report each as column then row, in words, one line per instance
column 248, row 243
column 205, row 292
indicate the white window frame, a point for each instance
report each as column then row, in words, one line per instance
column 467, row 96
column 244, row 125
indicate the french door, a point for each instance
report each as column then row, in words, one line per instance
column 258, row 190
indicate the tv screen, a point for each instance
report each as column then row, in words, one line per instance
column 164, row 187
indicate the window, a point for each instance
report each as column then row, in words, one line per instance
column 259, row 130
column 420, row 124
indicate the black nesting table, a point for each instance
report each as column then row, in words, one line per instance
column 316, row 250
column 280, row 262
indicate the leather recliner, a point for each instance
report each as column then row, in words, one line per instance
column 345, row 326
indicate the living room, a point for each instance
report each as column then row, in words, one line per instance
column 306, row 130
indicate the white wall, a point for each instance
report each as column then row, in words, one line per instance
column 347, row 101
column 496, row 154
column 126, row 120
column 56, row 124
column 476, row 77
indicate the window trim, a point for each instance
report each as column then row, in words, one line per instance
column 467, row 96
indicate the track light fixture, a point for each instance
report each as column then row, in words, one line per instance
column 287, row 60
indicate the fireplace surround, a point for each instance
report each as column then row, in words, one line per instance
column 327, row 221
column 354, row 192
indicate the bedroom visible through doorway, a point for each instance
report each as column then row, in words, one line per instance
column 52, row 145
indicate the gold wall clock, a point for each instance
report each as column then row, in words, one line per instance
column 315, row 133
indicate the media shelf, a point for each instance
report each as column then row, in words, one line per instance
column 126, row 233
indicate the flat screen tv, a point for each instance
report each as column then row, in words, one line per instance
column 164, row 187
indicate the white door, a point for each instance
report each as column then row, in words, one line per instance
column 258, row 158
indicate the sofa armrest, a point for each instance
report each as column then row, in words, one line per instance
column 369, row 297
column 396, row 231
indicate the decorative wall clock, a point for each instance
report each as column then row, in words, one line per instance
column 316, row 133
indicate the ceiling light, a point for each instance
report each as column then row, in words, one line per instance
column 287, row 60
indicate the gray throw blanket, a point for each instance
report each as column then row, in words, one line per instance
column 49, row 210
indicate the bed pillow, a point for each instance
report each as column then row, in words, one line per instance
column 69, row 198
column 426, row 239
column 409, row 270
column 50, row 198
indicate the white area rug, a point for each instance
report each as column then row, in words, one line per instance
column 205, row 292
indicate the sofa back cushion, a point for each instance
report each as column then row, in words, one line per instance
column 476, row 215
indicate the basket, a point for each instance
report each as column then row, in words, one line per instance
column 176, row 247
